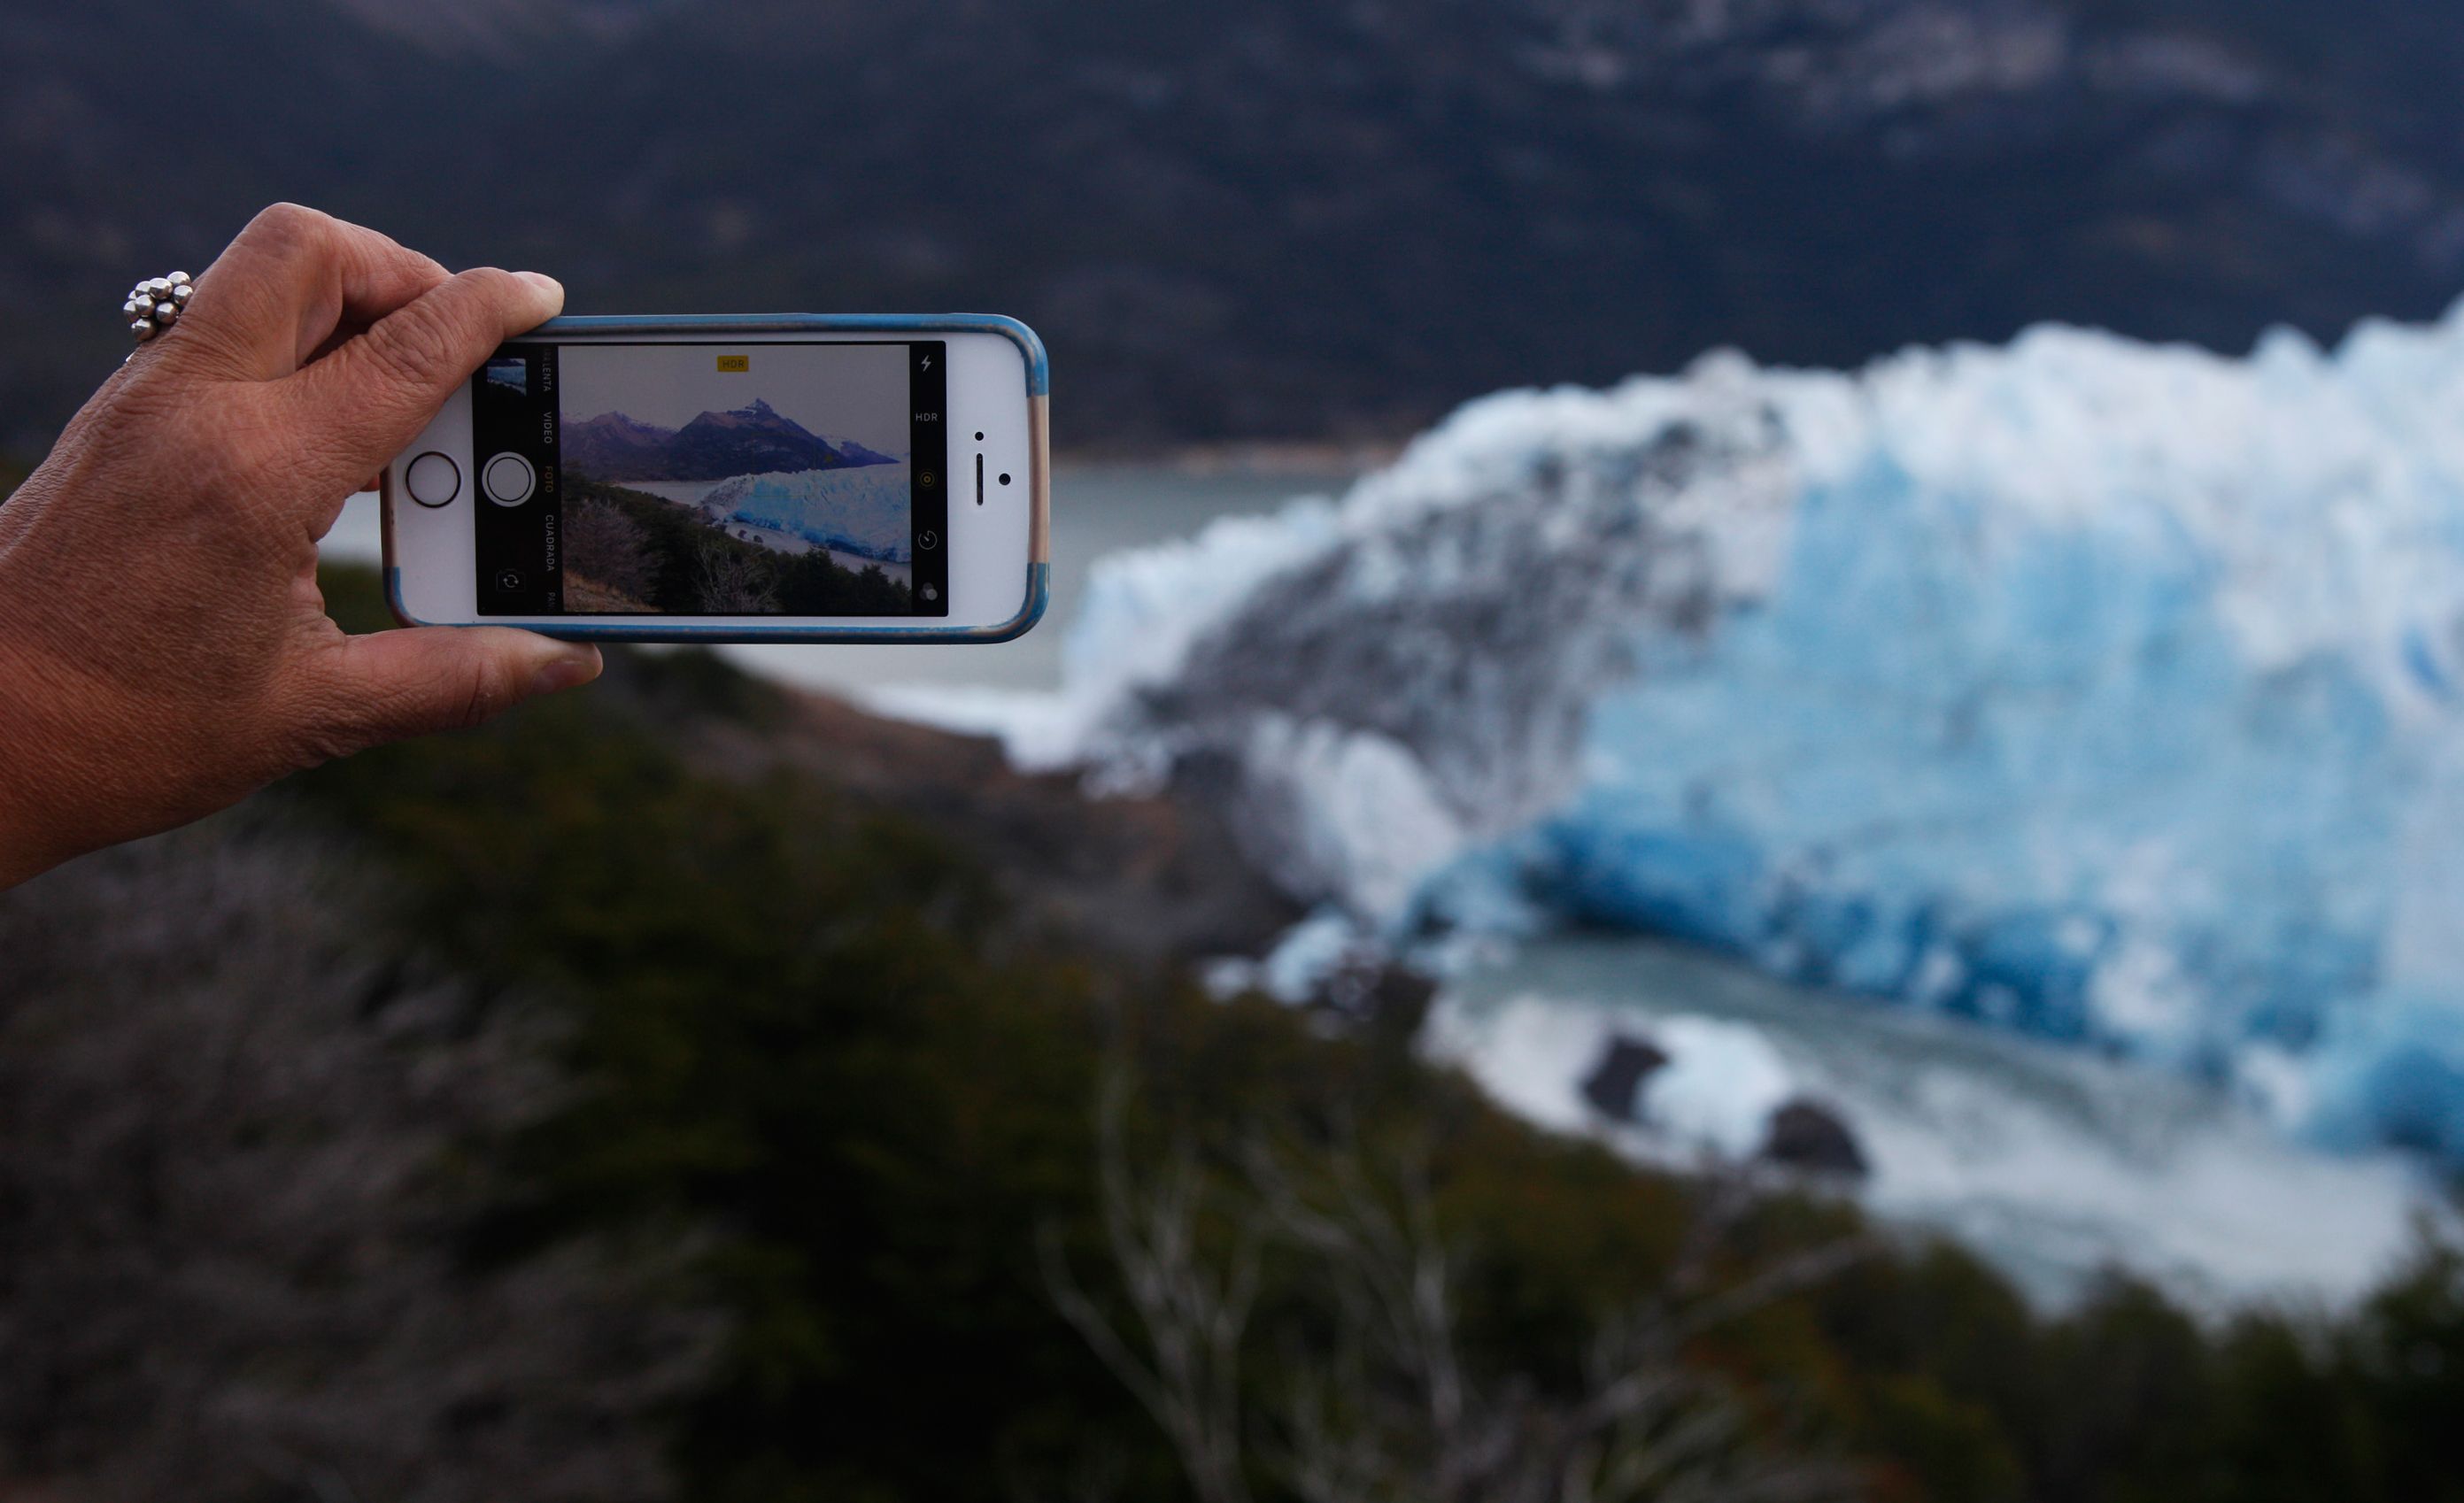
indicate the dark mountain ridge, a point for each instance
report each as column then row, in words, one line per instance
column 1284, row 218
column 752, row 440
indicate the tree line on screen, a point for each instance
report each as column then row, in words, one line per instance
column 629, row 550
column 554, row 1111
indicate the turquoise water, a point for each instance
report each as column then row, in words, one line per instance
column 2054, row 1163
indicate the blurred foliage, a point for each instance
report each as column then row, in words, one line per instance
column 804, row 1032
column 244, row 1143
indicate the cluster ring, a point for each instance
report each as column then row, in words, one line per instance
column 154, row 305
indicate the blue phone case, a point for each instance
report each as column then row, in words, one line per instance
column 1039, row 476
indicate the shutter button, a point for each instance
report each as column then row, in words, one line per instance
column 508, row 479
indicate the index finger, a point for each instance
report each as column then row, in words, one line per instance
column 367, row 401
column 288, row 281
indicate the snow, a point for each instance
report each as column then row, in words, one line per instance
column 2097, row 690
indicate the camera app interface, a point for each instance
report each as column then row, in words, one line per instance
column 755, row 479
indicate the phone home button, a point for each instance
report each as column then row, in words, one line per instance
column 432, row 479
column 508, row 479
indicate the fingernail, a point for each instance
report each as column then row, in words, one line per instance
column 566, row 672
column 545, row 283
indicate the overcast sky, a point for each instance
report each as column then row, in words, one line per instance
column 844, row 391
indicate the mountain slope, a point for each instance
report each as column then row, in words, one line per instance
column 1284, row 217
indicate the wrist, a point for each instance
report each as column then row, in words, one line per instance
column 30, row 803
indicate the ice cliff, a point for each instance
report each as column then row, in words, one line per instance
column 861, row 510
column 2105, row 691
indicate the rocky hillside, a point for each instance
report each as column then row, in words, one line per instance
column 1283, row 217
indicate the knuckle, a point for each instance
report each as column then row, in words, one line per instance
column 485, row 686
column 327, row 719
column 462, row 699
column 328, row 738
column 493, row 292
column 420, row 344
column 349, row 708
column 477, row 702
column 288, row 226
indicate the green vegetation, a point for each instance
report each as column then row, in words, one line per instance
column 808, row 1044
column 658, row 552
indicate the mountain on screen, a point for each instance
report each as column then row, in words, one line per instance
column 753, row 440
column 858, row 455
column 615, row 446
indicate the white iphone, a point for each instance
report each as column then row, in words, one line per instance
column 791, row 478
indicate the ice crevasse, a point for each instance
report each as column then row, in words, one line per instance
column 2106, row 691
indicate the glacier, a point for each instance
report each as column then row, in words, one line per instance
column 2105, row 691
column 862, row 509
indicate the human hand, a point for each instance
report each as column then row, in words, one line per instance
column 164, row 648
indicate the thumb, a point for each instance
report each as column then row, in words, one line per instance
column 390, row 685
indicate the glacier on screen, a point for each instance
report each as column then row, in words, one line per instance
column 2106, row 691
column 861, row 510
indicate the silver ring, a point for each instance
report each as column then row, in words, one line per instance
column 156, row 303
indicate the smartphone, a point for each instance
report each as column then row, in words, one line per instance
column 789, row 478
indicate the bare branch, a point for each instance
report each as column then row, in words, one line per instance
column 1382, row 1403
column 1183, row 1362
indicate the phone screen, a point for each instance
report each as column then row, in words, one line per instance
column 674, row 479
